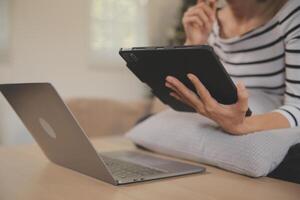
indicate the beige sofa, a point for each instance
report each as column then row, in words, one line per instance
column 103, row 117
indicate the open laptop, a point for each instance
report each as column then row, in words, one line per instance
column 62, row 140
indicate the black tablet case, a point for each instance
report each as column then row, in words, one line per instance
column 153, row 64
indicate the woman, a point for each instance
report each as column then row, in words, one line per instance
column 258, row 42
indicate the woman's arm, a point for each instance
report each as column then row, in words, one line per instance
column 289, row 114
column 291, row 107
column 267, row 121
column 230, row 117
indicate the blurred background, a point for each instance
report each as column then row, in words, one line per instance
column 74, row 45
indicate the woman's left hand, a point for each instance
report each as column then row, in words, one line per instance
column 231, row 118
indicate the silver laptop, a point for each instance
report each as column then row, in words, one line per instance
column 62, row 140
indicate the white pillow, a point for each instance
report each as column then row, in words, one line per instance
column 193, row 137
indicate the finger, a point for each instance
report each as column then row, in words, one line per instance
column 209, row 8
column 176, row 96
column 209, row 12
column 179, row 95
column 194, row 10
column 179, row 98
column 194, row 20
column 187, row 12
column 185, row 92
column 195, row 7
column 203, row 12
column 174, row 89
column 201, row 90
column 168, row 85
column 242, row 97
column 205, row 19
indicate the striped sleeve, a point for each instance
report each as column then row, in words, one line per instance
column 291, row 107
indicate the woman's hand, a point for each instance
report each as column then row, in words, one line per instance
column 198, row 22
column 231, row 118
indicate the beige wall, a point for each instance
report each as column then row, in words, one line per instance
column 50, row 42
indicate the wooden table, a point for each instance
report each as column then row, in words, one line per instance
column 26, row 174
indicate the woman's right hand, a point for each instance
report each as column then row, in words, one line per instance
column 198, row 22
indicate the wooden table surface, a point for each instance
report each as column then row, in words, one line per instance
column 26, row 174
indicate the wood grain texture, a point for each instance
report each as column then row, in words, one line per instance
column 26, row 174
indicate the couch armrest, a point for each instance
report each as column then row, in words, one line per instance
column 157, row 106
column 100, row 117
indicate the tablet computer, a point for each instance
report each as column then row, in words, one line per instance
column 153, row 64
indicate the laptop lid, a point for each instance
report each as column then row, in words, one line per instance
column 54, row 128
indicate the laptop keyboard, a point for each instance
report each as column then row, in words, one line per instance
column 122, row 169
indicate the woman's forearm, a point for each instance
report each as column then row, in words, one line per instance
column 268, row 121
column 231, row 118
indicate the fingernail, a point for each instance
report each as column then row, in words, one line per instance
column 190, row 76
column 171, row 79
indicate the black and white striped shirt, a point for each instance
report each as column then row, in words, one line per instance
column 267, row 58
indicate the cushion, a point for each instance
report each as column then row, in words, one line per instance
column 194, row 137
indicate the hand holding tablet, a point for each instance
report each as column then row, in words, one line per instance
column 152, row 65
